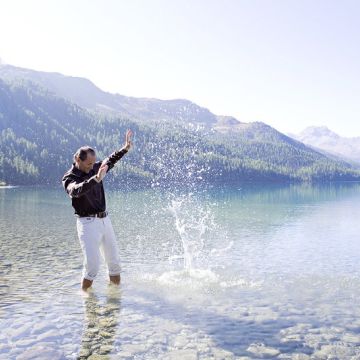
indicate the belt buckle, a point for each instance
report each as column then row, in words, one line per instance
column 101, row 215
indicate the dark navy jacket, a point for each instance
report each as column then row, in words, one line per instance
column 87, row 195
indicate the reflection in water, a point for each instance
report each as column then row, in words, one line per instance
column 287, row 193
column 101, row 321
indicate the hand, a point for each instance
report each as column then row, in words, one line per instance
column 128, row 142
column 102, row 171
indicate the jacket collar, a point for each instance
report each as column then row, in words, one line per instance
column 77, row 172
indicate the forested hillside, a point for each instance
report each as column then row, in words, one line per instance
column 87, row 95
column 40, row 131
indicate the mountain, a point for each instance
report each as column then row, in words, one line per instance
column 84, row 93
column 40, row 130
column 324, row 139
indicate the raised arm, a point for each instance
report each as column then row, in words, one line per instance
column 117, row 155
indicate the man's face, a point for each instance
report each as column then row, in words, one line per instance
column 87, row 164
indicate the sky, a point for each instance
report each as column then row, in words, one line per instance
column 288, row 63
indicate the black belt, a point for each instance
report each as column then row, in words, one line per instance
column 101, row 214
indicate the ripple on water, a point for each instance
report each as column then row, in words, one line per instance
column 196, row 280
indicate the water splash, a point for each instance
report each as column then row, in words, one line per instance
column 192, row 221
column 181, row 174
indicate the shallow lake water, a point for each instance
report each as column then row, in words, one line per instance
column 247, row 272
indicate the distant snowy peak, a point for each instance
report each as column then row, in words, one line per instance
column 323, row 138
column 318, row 131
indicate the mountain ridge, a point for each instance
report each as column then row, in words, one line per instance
column 86, row 94
column 324, row 139
column 39, row 128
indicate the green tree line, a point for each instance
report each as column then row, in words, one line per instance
column 39, row 132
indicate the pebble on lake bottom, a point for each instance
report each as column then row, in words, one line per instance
column 40, row 353
column 263, row 351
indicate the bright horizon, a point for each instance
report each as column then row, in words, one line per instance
column 287, row 63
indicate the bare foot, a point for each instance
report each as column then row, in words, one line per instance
column 86, row 284
column 115, row 279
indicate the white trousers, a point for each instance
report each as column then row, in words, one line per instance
column 97, row 237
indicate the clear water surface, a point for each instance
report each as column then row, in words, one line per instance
column 248, row 272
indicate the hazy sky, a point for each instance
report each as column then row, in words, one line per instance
column 288, row 63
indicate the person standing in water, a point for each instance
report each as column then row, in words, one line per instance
column 84, row 184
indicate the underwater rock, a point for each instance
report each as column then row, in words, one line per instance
column 40, row 353
column 263, row 351
column 182, row 354
column 336, row 351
